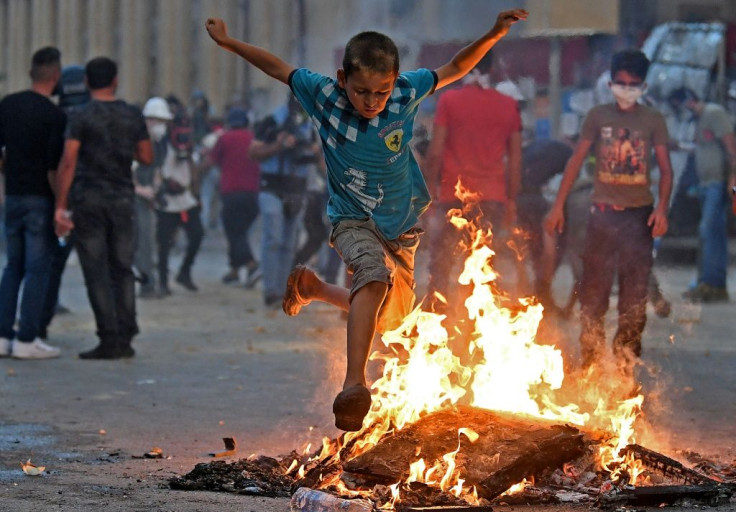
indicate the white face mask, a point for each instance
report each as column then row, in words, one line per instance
column 157, row 131
column 627, row 95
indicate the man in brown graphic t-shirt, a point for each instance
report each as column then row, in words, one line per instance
column 623, row 220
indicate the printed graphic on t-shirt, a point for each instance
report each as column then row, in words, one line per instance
column 623, row 153
column 393, row 139
column 357, row 184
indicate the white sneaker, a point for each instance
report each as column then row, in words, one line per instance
column 35, row 350
column 4, row 347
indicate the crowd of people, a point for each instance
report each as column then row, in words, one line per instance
column 335, row 167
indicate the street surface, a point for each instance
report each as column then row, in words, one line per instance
column 219, row 364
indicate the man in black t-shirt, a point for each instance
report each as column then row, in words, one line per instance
column 32, row 135
column 95, row 183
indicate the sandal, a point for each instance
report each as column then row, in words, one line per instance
column 351, row 406
column 293, row 301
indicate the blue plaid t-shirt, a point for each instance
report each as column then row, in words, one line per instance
column 371, row 171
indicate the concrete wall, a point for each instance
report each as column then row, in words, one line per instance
column 161, row 45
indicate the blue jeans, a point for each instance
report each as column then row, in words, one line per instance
column 278, row 245
column 30, row 238
column 713, row 257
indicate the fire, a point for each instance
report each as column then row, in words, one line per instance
column 422, row 373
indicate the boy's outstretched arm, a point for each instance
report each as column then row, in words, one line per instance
column 264, row 60
column 466, row 59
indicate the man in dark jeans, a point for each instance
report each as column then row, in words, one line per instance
column 239, row 192
column 623, row 220
column 31, row 131
column 102, row 141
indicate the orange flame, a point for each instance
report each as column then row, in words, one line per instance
column 422, row 374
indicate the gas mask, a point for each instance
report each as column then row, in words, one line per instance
column 627, row 95
column 157, row 131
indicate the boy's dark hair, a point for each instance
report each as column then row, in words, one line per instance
column 631, row 61
column 100, row 72
column 681, row 95
column 44, row 63
column 371, row 51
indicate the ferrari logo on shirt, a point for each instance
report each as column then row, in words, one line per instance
column 393, row 139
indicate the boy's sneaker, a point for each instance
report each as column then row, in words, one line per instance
column 37, row 349
column 5, row 345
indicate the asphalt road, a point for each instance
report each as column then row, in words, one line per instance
column 219, row 364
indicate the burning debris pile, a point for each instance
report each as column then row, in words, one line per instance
column 491, row 424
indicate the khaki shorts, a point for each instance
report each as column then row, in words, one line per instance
column 370, row 257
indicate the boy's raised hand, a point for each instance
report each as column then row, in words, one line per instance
column 216, row 28
column 507, row 18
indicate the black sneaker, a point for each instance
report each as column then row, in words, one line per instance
column 102, row 352
column 186, row 281
column 231, row 276
column 253, row 276
column 126, row 351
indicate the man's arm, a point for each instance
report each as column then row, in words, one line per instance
column 264, row 60
column 433, row 160
column 466, row 59
column 64, row 178
column 555, row 220
column 144, row 152
column 658, row 219
column 260, row 150
column 729, row 144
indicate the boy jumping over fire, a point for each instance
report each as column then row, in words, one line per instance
column 377, row 193
column 623, row 221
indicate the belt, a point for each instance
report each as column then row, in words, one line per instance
column 604, row 207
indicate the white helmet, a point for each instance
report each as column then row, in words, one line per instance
column 157, row 108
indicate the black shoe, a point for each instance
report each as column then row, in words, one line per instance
column 61, row 309
column 186, row 281
column 231, row 276
column 164, row 290
column 126, row 351
column 253, row 276
column 102, row 352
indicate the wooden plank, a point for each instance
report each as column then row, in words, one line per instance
column 509, row 448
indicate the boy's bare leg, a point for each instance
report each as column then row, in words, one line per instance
column 362, row 318
column 304, row 286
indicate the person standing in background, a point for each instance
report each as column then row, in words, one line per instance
column 73, row 94
column 32, row 139
column 95, row 197
column 623, row 221
column 158, row 116
column 239, row 179
column 177, row 206
column 476, row 139
column 715, row 164
column 286, row 147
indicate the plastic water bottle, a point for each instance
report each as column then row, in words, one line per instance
column 64, row 239
column 311, row 500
